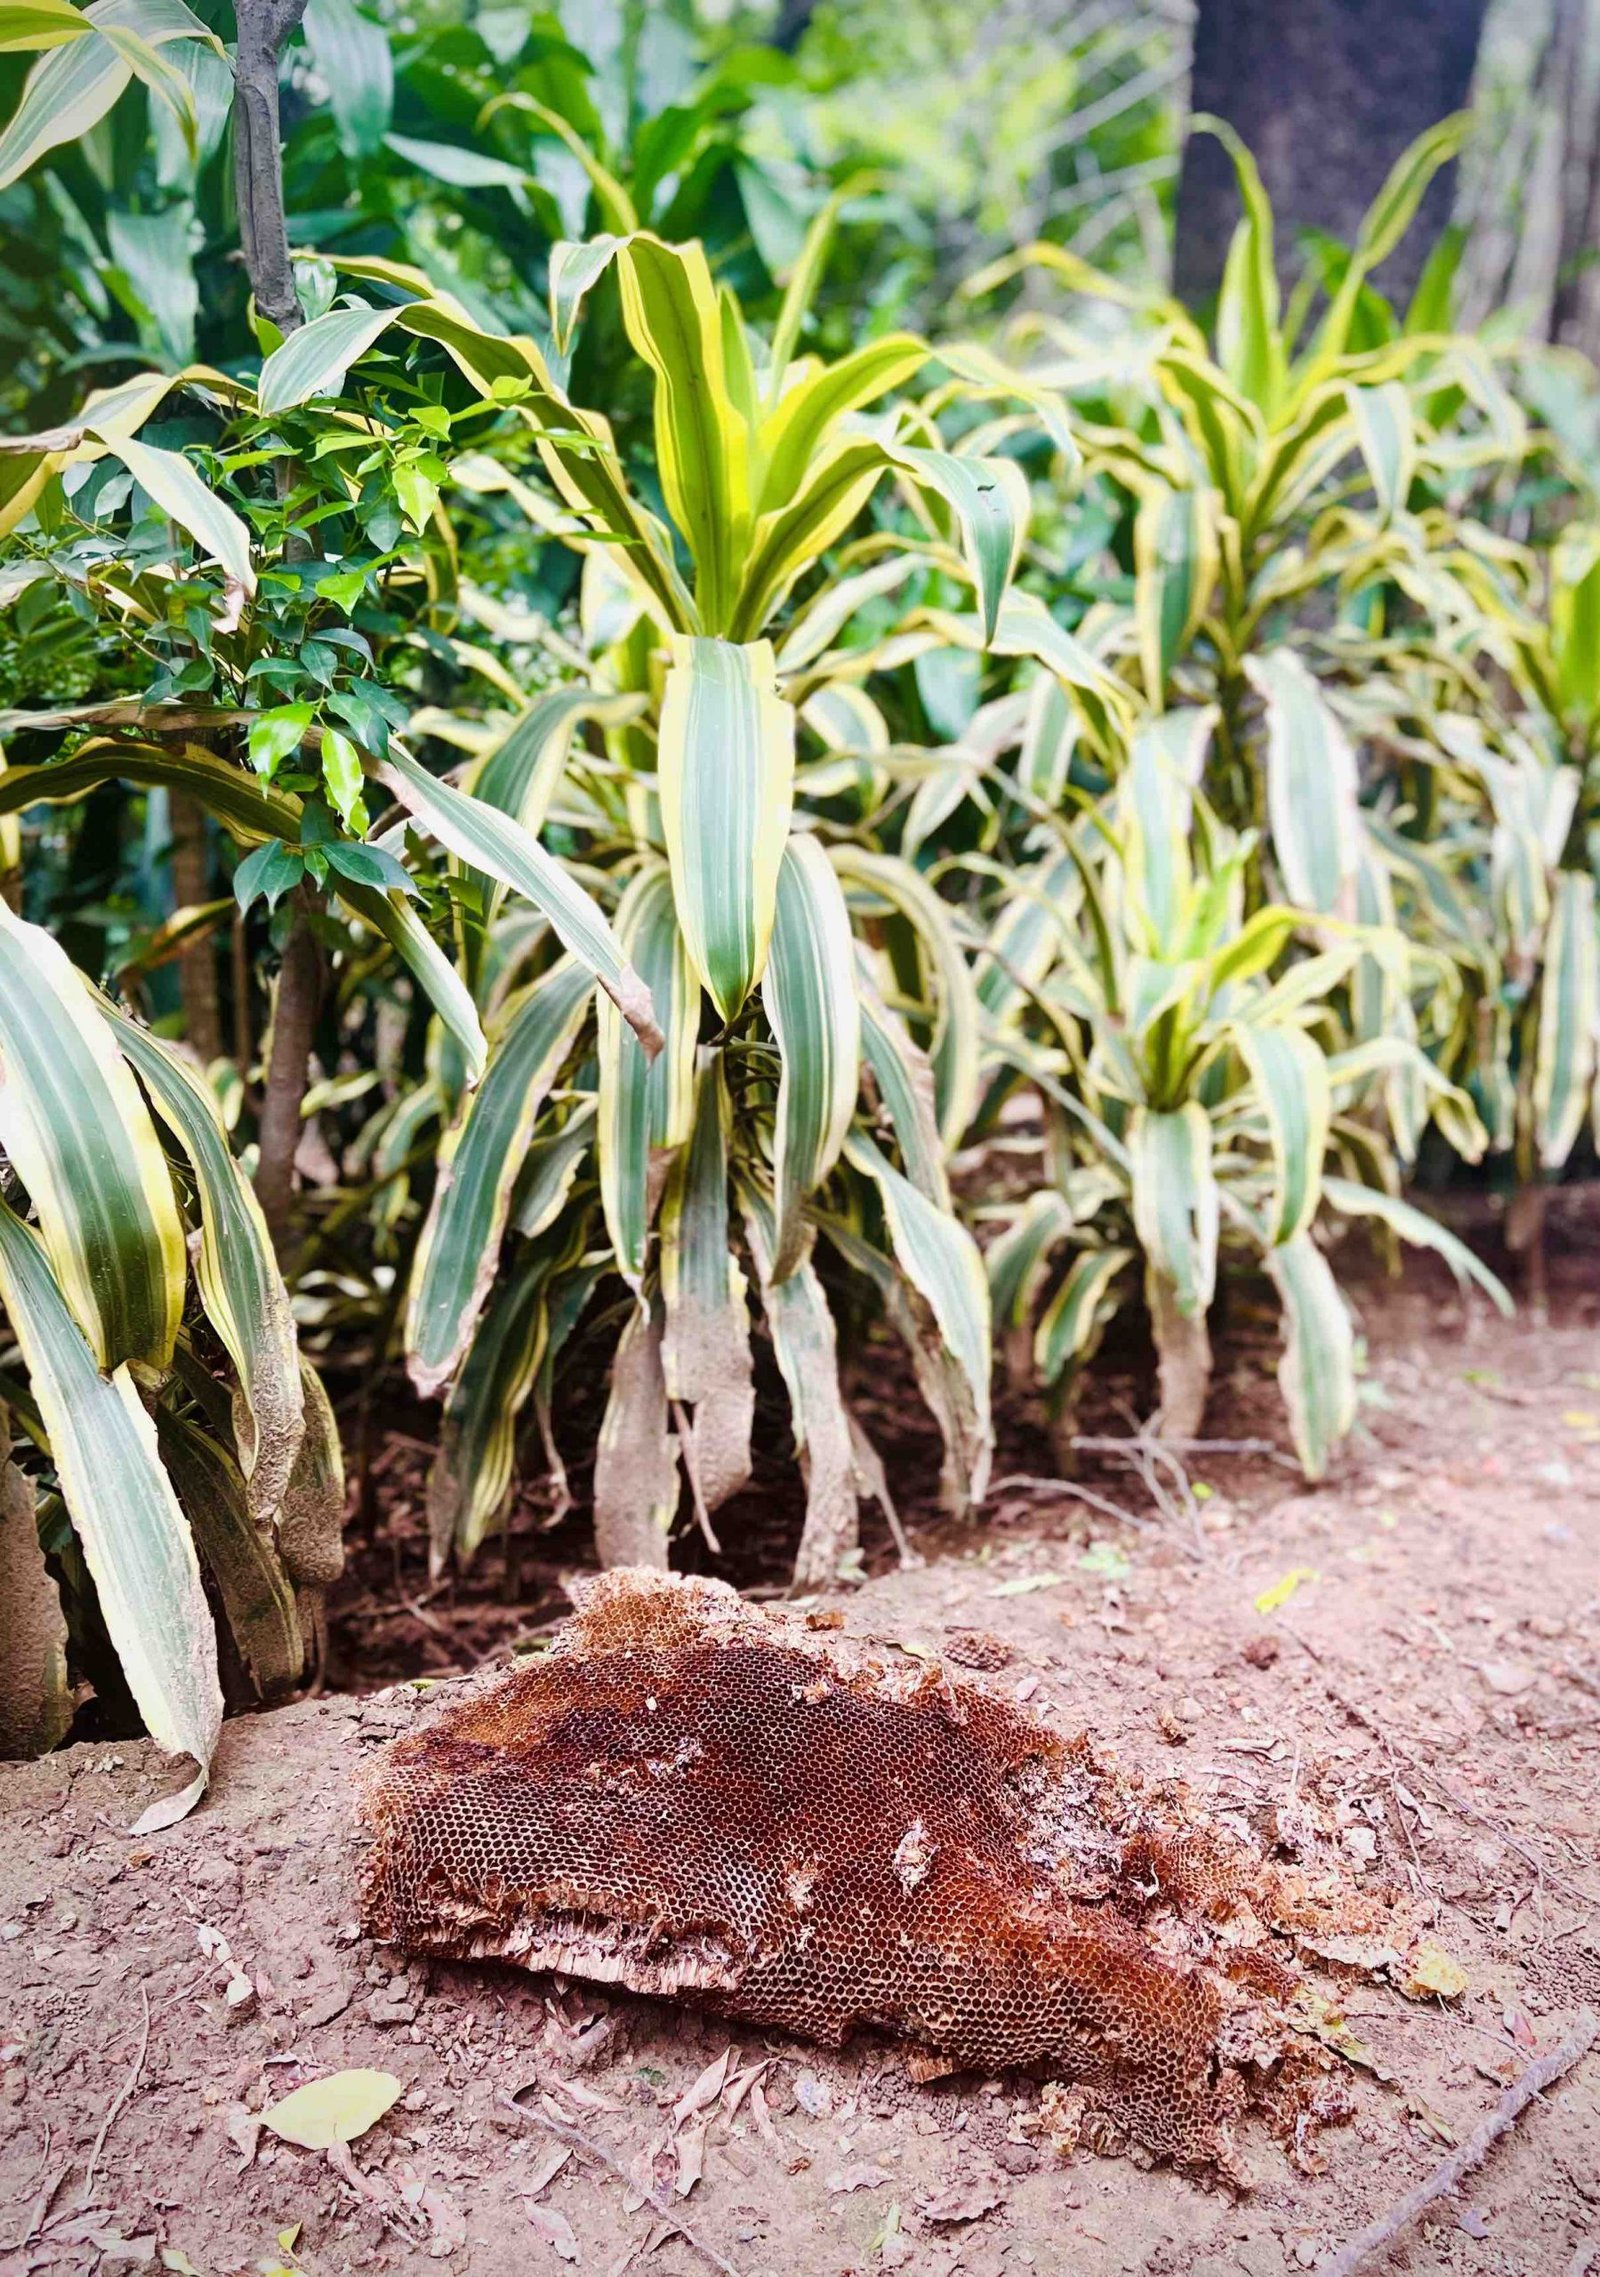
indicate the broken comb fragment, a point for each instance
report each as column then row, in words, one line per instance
column 689, row 1794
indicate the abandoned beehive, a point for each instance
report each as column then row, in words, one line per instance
column 687, row 1794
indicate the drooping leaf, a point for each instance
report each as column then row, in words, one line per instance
column 459, row 1252
column 491, row 841
column 240, row 1283
column 810, row 996
column 80, row 1138
column 135, row 1541
column 645, row 1105
column 1317, row 1371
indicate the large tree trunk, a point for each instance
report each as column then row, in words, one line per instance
column 1327, row 93
column 198, row 989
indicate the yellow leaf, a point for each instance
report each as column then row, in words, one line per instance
column 1281, row 1591
column 1581, row 1419
column 337, row 2109
column 1430, row 1970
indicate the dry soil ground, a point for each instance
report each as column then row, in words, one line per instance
column 1432, row 1677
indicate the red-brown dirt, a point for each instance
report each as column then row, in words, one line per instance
column 1430, row 1685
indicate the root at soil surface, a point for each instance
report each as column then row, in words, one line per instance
column 687, row 1794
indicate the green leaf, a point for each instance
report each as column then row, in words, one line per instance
column 810, row 996
column 575, row 270
column 177, row 489
column 459, row 1252
column 472, row 1473
column 1423, row 1232
column 669, row 305
column 1015, row 1260
column 81, row 1140
column 904, row 1077
column 249, row 811
column 341, row 773
column 353, row 59
column 257, row 1595
column 490, row 841
column 1317, row 1372
column 135, row 1542
column 645, row 1105
column 726, row 785
column 240, row 1285
column 270, row 872
column 1249, row 342
column 954, row 1051
column 276, row 735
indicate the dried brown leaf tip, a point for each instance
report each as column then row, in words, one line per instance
column 689, row 1793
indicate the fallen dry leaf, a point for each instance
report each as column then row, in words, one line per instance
column 851, row 2178
column 545, row 2170
column 338, row 2109
column 967, row 2199
column 1428, row 1970
column 691, row 2149
column 706, row 2089
column 1281, row 1591
column 243, row 2130
column 555, row 2231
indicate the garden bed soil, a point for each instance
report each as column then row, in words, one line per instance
column 1429, row 1671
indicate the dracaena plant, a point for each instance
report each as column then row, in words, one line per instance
column 735, row 1017
column 1204, row 1091
column 1302, row 552
column 154, row 1367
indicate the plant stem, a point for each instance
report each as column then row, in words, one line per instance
column 264, row 25
column 197, row 961
column 294, row 1022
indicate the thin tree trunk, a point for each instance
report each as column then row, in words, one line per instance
column 1327, row 93
column 198, row 988
column 294, row 1023
column 263, row 27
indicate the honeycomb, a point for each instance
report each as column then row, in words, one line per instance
column 688, row 1795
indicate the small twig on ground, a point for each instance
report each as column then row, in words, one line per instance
column 1075, row 1493
column 565, row 2132
column 1451, row 2172
column 117, row 2101
column 1442, row 1787
column 1115, row 1444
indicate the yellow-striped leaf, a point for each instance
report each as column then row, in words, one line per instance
column 1070, row 1326
column 459, row 1253
column 471, row 1475
column 80, row 1137
column 1290, row 1079
column 726, row 786
column 136, row 1544
column 488, row 840
column 240, row 1285
column 645, row 1105
column 1317, row 1374
column 940, row 1259
column 1569, row 1017
column 809, row 991
column 1311, row 788
column 1175, row 1206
